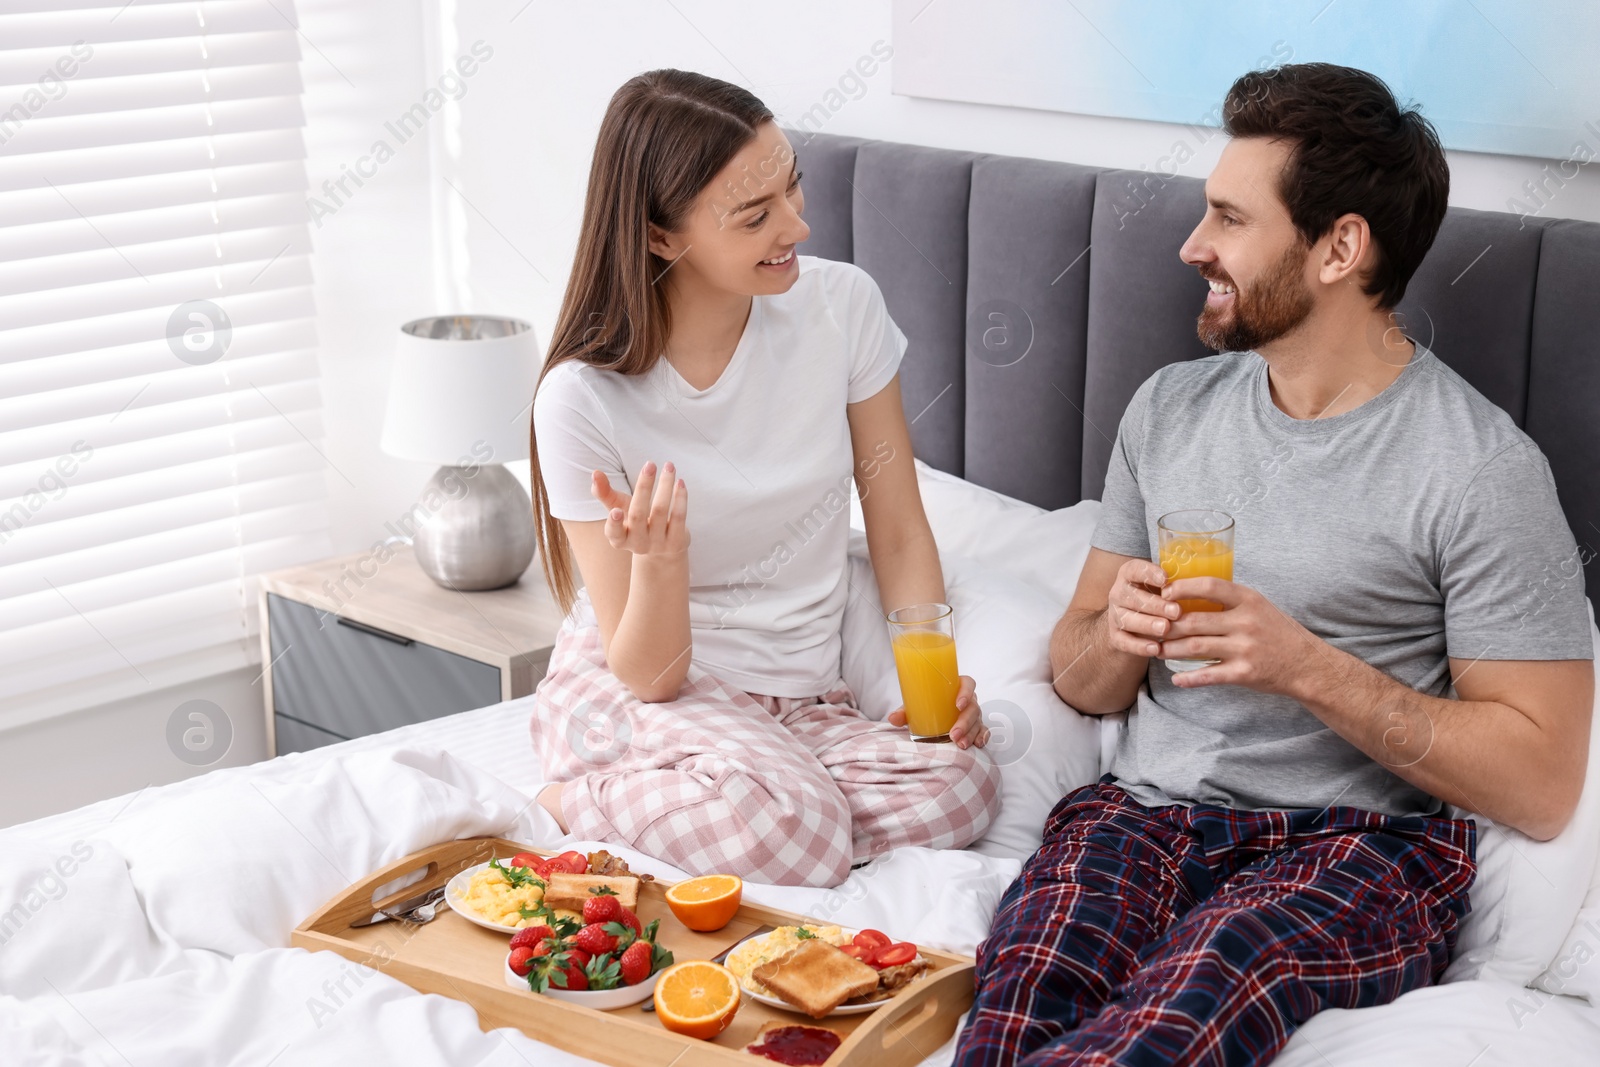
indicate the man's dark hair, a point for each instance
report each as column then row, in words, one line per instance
column 1353, row 150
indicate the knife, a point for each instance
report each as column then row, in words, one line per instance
column 721, row 957
column 434, row 894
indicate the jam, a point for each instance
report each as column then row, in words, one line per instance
column 797, row 1045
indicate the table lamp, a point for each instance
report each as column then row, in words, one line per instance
column 461, row 396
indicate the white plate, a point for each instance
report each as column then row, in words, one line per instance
column 843, row 1009
column 457, row 888
column 599, row 999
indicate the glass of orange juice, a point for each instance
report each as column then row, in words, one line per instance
column 924, row 643
column 1196, row 543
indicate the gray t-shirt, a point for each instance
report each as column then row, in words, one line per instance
column 1420, row 525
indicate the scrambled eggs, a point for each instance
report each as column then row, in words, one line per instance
column 497, row 900
column 758, row 950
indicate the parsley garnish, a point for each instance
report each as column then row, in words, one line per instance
column 803, row 934
column 517, row 876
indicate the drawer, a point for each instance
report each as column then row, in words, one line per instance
column 352, row 681
column 296, row 736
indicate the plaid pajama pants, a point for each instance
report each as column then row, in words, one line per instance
column 784, row 790
column 1206, row 935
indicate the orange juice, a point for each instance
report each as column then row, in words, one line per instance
column 929, row 680
column 1197, row 557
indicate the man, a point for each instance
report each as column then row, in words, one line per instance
column 1271, row 840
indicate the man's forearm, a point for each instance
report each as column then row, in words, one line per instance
column 1481, row 755
column 1087, row 672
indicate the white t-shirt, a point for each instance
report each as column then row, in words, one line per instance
column 766, row 455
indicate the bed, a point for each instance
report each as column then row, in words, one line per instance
column 153, row 928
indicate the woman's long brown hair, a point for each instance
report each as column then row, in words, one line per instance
column 665, row 136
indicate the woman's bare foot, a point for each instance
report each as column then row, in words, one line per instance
column 550, row 800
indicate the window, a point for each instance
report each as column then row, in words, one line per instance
column 160, row 425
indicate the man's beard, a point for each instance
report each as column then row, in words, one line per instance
column 1271, row 308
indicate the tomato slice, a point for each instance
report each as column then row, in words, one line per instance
column 858, row 951
column 896, row 954
column 571, row 863
column 872, row 939
column 530, row 862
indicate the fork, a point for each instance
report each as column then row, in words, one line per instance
column 425, row 912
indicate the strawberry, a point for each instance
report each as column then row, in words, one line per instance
column 576, row 981
column 601, row 908
column 603, row 972
column 578, row 956
column 521, row 960
column 595, row 940
column 529, row 936
column 630, row 920
column 636, row 959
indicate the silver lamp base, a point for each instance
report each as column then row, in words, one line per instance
column 481, row 535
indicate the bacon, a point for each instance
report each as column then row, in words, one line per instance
column 892, row 978
column 605, row 864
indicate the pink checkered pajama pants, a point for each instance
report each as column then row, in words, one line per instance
column 784, row 790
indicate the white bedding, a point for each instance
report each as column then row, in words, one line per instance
column 152, row 929
column 165, row 944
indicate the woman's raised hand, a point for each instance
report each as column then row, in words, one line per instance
column 651, row 522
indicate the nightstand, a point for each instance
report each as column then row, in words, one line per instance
column 353, row 646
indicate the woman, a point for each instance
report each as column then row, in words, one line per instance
column 693, row 707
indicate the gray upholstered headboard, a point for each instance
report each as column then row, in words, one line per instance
column 1037, row 297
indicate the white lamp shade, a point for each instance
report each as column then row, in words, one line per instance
column 462, row 390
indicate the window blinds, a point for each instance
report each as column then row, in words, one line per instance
column 160, row 425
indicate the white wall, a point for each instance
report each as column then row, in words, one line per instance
column 516, row 148
column 363, row 66
column 59, row 764
column 528, row 129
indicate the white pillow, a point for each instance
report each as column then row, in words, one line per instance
column 1044, row 748
column 1575, row 971
column 1045, row 549
column 1528, row 894
column 1010, row 570
column 1042, row 548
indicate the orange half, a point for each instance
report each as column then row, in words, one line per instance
column 696, row 998
column 706, row 903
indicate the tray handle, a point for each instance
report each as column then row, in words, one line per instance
column 409, row 890
column 443, row 861
column 910, row 1028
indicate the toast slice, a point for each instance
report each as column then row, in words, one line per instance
column 569, row 891
column 816, row 977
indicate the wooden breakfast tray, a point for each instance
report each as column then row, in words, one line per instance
column 458, row 959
